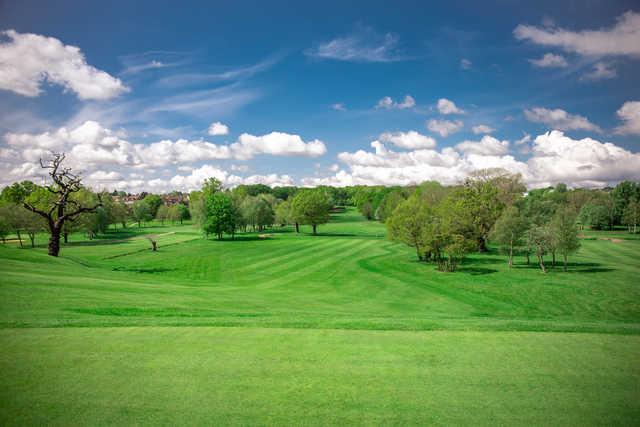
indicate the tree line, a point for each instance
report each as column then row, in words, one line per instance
column 444, row 224
column 219, row 211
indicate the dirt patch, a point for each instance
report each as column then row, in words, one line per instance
column 611, row 239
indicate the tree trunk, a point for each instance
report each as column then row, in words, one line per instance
column 511, row 255
column 541, row 262
column 553, row 259
column 19, row 237
column 297, row 228
column 482, row 245
column 32, row 237
column 528, row 260
column 565, row 262
column 54, row 242
column 314, row 228
column 66, row 237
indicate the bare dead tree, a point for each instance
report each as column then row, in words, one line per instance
column 154, row 243
column 62, row 208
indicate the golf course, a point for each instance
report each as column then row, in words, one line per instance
column 343, row 327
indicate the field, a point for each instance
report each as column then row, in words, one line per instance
column 340, row 328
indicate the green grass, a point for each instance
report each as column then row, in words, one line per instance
column 343, row 327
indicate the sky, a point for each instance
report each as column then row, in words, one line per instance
column 156, row 97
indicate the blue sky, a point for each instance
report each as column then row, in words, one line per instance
column 550, row 83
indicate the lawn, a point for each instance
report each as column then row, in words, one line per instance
column 342, row 328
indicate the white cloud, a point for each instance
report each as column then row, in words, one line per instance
column 550, row 60
column 411, row 140
column 444, row 127
column 388, row 103
column 217, row 128
column 601, row 71
column 482, row 129
column 278, row 144
column 90, row 145
column 524, row 140
column 584, row 162
column 465, row 64
column 487, row 146
column 629, row 113
column 446, row 106
column 363, row 45
column 338, row 107
column 623, row 38
column 26, row 60
column 194, row 180
column 560, row 119
column 554, row 158
column 100, row 176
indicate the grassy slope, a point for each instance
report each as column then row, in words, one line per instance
column 349, row 277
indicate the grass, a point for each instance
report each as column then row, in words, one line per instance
column 343, row 327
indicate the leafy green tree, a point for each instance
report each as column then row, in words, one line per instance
column 183, row 211
column 623, row 194
column 12, row 215
column 509, row 230
column 120, row 213
column 311, row 206
column 197, row 209
column 482, row 202
column 154, row 202
column 631, row 215
column 221, row 215
column 540, row 239
column 565, row 232
column 283, row 213
column 141, row 212
column 594, row 215
column 5, row 227
column 409, row 224
column 162, row 214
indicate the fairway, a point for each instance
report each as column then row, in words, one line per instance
column 286, row 328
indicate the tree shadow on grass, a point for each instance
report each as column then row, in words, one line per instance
column 476, row 271
column 144, row 270
column 572, row 267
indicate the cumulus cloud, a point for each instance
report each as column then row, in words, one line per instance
column 217, row 128
column 600, row 71
column 363, row 45
column 27, row 60
column 411, row 140
column 91, row 146
column 629, row 113
column 554, row 158
column 487, row 146
column 465, row 64
column 550, row 60
column 588, row 162
column 560, row 119
column 388, row 103
column 482, row 129
column 339, row 106
column 444, row 127
column 446, row 106
column 277, row 144
column 195, row 179
column 623, row 38
column 101, row 176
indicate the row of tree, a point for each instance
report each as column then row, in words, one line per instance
column 218, row 211
column 445, row 223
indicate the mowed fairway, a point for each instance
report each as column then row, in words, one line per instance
column 341, row 328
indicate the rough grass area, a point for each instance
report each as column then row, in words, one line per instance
column 340, row 328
